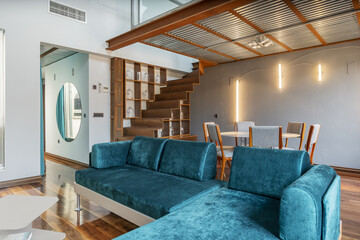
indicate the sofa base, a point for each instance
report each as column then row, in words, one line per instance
column 121, row 210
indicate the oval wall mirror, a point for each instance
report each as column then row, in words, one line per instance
column 68, row 112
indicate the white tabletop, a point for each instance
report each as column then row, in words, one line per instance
column 18, row 211
column 246, row 134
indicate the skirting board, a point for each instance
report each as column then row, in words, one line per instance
column 123, row 211
column 63, row 160
column 21, row 181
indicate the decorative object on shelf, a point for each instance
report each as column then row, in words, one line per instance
column 129, row 94
column 130, row 112
column 138, row 76
column 172, row 131
column 172, row 115
column 159, row 132
column 157, row 78
column 129, row 74
column 145, row 76
column 182, row 130
column 181, row 115
column 145, row 94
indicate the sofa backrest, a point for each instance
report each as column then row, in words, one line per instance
column 112, row 154
column 266, row 172
column 146, row 152
column 194, row 160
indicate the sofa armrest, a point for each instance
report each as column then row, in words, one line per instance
column 105, row 155
column 301, row 206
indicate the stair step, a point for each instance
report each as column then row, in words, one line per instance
column 157, row 113
column 171, row 96
column 178, row 88
column 148, row 122
column 125, row 138
column 163, row 104
column 194, row 80
column 192, row 74
column 139, row 131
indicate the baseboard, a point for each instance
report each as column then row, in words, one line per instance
column 353, row 172
column 21, row 181
column 64, row 160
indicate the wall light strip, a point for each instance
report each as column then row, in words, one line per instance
column 237, row 100
column 280, row 77
column 319, row 72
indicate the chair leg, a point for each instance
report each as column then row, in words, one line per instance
column 223, row 169
column 78, row 208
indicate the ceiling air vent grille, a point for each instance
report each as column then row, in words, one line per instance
column 67, row 11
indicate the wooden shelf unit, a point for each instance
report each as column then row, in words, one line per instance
column 142, row 82
column 116, row 98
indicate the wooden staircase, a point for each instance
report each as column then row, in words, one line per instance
column 165, row 109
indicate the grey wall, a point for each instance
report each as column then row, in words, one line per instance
column 334, row 103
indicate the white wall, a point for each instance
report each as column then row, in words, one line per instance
column 27, row 24
column 77, row 149
column 99, row 102
column 334, row 103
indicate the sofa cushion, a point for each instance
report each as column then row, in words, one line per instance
column 222, row 214
column 150, row 192
column 146, row 152
column 266, row 172
column 301, row 207
column 194, row 160
column 104, row 155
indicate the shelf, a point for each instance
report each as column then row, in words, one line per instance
column 139, row 81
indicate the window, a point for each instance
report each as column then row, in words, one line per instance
column 2, row 97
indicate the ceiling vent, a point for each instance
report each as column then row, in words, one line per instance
column 67, row 11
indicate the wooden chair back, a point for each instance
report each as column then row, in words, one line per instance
column 206, row 133
column 265, row 136
column 297, row 128
column 312, row 140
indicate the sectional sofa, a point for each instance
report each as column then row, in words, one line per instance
column 272, row 194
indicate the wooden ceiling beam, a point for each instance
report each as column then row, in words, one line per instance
column 48, row 52
column 207, row 62
column 293, row 8
column 356, row 5
column 199, row 46
column 186, row 15
column 257, row 28
column 226, row 38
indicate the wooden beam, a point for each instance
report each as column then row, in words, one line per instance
column 226, row 38
column 199, row 46
column 48, row 52
column 293, row 8
column 257, row 28
column 356, row 5
column 189, row 14
column 210, row 63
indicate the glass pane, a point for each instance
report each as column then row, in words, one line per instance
column 2, row 98
column 146, row 10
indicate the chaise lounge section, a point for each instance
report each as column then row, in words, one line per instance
column 147, row 178
column 272, row 194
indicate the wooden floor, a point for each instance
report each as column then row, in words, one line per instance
column 98, row 223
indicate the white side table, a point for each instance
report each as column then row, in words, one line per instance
column 18, row 211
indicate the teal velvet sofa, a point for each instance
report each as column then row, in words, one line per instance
column 147, row 178
column 272, row 194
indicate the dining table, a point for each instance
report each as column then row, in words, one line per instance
column 236, row 134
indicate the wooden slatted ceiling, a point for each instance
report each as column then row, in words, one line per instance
column 303, row 19
column 193, row 13
column 171, row 27
column 356, row 5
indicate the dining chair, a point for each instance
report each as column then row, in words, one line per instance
column 265, row 136
column 297, row 128
column 243, row 127
column 223, row 154
column 313, row 136
column 206, row 133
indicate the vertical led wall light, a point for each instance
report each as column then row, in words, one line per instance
column 237, row 101
column 320, row 77
column 280, row 77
